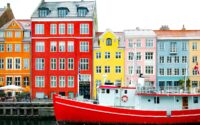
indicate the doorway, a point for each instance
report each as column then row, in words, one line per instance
column 185, row 102
column 84, row 89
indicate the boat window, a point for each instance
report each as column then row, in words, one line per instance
column 125, row 91
column 107, row 91
column 195, row 100
column 156, row 100
column 177, row 100
column 103, row 91
column 149, row 100
column 116, row 91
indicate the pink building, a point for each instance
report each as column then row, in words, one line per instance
column 140, row 56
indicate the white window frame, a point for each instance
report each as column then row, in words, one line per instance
column 84, row 46
column 70, row 64
column 39, row 81
column 70, row 28
column 8, row 64
column 61, row 46
column 84, row 28
column 70, row 46
column 70, row 81
column 62, row 62
column 62, row 81
column 17, row 47
column 62, row 28
column 53, row 63
column 39, row 47
column 53, row 81
column 39, row 65
column 17, row 63
column 39, row 29
column 53, row 29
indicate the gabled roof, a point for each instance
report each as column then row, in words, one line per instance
column 71, row 5
column 24, row 24
column 2, row 11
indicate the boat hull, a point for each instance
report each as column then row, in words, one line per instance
column 75, row 111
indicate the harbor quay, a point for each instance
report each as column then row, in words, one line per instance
column 31, row 110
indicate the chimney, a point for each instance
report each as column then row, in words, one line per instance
column 183, row 28
column 8, row 5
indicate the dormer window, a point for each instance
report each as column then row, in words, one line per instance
column 43, row 12
column 62, row 12
column 82, row 11
column 109, row 42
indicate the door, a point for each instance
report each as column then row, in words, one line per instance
column 185, row 102
column 84, row 89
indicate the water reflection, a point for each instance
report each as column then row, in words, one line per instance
column 27, row 122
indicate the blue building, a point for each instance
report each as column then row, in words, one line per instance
column 172, row 57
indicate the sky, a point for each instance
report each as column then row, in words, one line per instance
column 119, row 15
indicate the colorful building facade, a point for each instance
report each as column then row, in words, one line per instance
column 108, row 60
column 140, row 56
column 62, row 41
column 172, row 57
column 15, row 53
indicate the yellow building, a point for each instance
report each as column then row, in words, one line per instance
column 108, row 60
column 194, row 57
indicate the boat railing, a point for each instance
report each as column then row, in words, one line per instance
column 167, row 90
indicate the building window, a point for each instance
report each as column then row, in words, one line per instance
column 98, row 69
column 107, row 69
column 1, row 47
column 98, row 55
column 43, row 12
column 39, row 64
column 195, row 100
column 149, row 55
column 39, row 47
column 84, row 47
column 1, row 34
column 184, row 46
column 130, row 43
column 9, row 63
column 70, row 64
column 162, row 46
column 118, row 55
column 17, row 47
column 138, row 71
column 109, row 42
column 176, row 59
column 173, row 47
column 156, row 100
column 169, row 59
column 53, row 28
column 9, row 47
column 149, row 43
column 117, row 69
column 61, row 46
column 194, row 59
column 169, row 72
column 194, row 72
column 61, row 28
column 70, row 81
column 17, row 63
column 53, row 81
column 194, row 46
column 53, row 64
column 138, row 44
column 107, row 55
column 70, row 46
column 194, row 84
column 17, row 34
column 162, row 72
column 62, row 63
column 184, row 59
column 9, row 34
column 71, row 95
column 62, row 81
column 162, row 59
column 27, row 34
column 53, row 46
column 26, row 63
column 149, row 69
column 82, row 11
column 84, row 28
column 184, row 71
column 176, row 71
column 130, row 70
column 39, row 81
column 138, row 56
column 26, row 81
column 62, row 12
column 70, row 28
column 39, row 28
column 84, row 64
column 1, row 63
column 130, row 55
column 9, row 80
column 17, row 81
column 26, row 47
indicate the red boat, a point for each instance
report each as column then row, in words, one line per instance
column 71, row 110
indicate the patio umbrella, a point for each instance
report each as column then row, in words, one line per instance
column 11, row 87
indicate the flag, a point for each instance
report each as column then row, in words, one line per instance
column 196, row 68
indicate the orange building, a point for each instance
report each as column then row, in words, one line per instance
column 15, row 41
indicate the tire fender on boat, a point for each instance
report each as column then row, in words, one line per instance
column 124, row 98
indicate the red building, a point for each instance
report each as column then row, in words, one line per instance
column 62, row 40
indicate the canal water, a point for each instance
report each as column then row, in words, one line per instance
column 27, row 122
